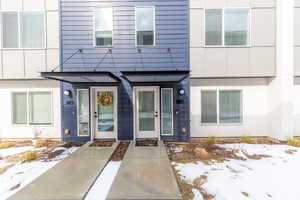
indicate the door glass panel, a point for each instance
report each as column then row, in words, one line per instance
column 105, row 102
column 83, row 112
column 146, row 111
column 167, row 111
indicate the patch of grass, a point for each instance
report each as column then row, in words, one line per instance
column 247, row 139
column 293, row 142
column 185, row 188
column 211, row 140
column 41, row 143
column 5, row 145
column 29, row 156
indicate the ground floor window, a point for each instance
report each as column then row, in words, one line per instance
column 83, row 112
column 32, row 108
column 221, row 106
column 167, row 111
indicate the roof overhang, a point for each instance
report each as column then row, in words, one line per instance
column 155, row 76
column 81, row 77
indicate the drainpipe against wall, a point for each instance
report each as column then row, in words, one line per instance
column 281, row 88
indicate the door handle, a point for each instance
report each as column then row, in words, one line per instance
column 95, row 114
column 155, row 114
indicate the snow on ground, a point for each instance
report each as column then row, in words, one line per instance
column 272, row 178
column 24, row 173
column 16, row 150
column 104, row 181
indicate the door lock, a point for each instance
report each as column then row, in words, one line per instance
column 156, row 114
column 95, row 114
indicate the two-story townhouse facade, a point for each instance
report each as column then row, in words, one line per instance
column 29, row 44
column 242, row 71
column 124, row 70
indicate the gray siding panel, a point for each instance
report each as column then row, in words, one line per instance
column 171, row 32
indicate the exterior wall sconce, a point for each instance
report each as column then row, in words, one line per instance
column 67, row 131
column 67, row 92
column 181, row 91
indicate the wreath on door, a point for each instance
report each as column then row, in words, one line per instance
column 105, row 99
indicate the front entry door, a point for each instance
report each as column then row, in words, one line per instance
column 105, row 113
column 147, row 116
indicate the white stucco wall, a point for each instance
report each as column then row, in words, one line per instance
column 8, row 130
column 297, row 109
column 255, row 108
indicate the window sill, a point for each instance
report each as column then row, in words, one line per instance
column 144, row 46
column 42, row 48
column 32, row 125
column 103, row 47
column 222, row 124
column 232, row 46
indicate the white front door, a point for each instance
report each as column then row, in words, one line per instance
column 105, row 112
column 147, row 116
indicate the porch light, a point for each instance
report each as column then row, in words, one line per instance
column 181, row 91
column 67, row 92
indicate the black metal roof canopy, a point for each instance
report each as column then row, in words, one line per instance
column 155, row 76
column 81, row 77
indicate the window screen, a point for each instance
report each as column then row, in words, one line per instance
column 32, row 30
column 10, row 30
column 213, row 27
column 230, row 107
column 19, row 103
column 145, row 25
column 103, row 26
column 40, row 107
column 209, row 107
column 236, row 26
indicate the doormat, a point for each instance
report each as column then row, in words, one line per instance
column 102, row 144
column 146, row 143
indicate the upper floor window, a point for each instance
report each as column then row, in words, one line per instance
column 227, row 27
column 103, row 26
column 145, row 25
column 23, row 30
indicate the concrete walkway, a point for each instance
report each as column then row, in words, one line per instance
column 145, row 173
column 70, row 178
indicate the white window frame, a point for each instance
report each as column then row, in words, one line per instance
column 94, row 28
column 28, row 124
column 154, row 26
column 218, row 108
column 161, row 96
column 89, row 123
column 20, row 26
column 223, row 28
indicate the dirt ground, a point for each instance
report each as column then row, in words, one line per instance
column 119, row 153
column 205, row 150
column 47, row 153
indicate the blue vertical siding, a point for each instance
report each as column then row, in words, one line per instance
column 171, row 32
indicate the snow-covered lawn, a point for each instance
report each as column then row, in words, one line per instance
column 269, row 178
column 21, row 174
